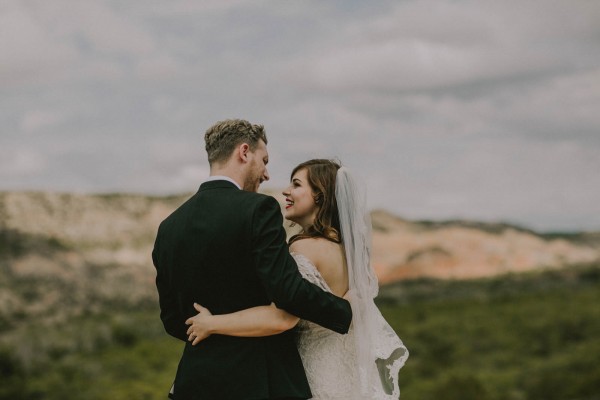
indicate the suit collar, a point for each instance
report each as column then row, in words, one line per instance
column 217, row 184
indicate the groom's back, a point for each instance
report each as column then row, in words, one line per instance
column 204, row 253
column 212, row 251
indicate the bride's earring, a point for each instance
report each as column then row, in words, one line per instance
column 319, row 199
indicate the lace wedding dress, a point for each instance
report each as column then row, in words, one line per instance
column 331, row 362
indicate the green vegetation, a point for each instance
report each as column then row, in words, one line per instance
column 102, row 356
column 533, row 336
column 516, row 337
column 15, row 244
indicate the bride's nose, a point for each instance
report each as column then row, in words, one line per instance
column 286, row 191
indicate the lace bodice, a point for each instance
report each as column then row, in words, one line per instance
column 329, row 358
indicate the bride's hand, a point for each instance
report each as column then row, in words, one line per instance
column 199, row 325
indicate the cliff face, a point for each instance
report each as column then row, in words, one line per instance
column 459, row 249
column 66, row 254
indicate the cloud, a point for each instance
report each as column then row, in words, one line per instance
column 562, row 106
column 23, row 162
column 475, row 109
column 26, row 48
column 94, row 27
column 35, row 120
column 431, row 44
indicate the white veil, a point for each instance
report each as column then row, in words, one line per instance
column 380, row 352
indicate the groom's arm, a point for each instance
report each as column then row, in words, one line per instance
column 170, row 315
column 281, row 279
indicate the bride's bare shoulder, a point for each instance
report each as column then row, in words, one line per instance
column 323, row 253
column 317, row 250
column 328, row 258
column 305, row 246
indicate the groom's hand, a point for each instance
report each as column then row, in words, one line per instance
column 199, row 327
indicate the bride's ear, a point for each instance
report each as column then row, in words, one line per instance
column 318, row 199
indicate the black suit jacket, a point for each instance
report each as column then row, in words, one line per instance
column 225, row 249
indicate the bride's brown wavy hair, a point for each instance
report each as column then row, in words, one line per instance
column 321, row 175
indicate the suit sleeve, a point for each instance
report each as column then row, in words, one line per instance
column 279, row 274
column 170, row 315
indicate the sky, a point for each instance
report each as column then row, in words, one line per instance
column 480, row 110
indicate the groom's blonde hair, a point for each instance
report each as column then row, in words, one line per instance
column 224, row 136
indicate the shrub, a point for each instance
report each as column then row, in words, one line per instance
column 12, row 376
column 124, row 335
column 463, row 387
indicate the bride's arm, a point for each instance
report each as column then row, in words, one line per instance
column 251, row 322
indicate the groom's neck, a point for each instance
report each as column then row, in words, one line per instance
column 234, row 173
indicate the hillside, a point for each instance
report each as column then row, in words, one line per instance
column 111, row 230
column 465, row 250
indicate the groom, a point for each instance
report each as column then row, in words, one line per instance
column 225, row 249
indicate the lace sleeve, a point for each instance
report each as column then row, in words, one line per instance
column 309, row 271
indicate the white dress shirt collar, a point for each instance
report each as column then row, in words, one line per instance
column 223, row 178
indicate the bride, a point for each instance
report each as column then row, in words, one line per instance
column 333, row 252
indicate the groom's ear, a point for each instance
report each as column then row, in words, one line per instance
column 242, row 152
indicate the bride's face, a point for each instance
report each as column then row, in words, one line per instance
column 300, row 204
